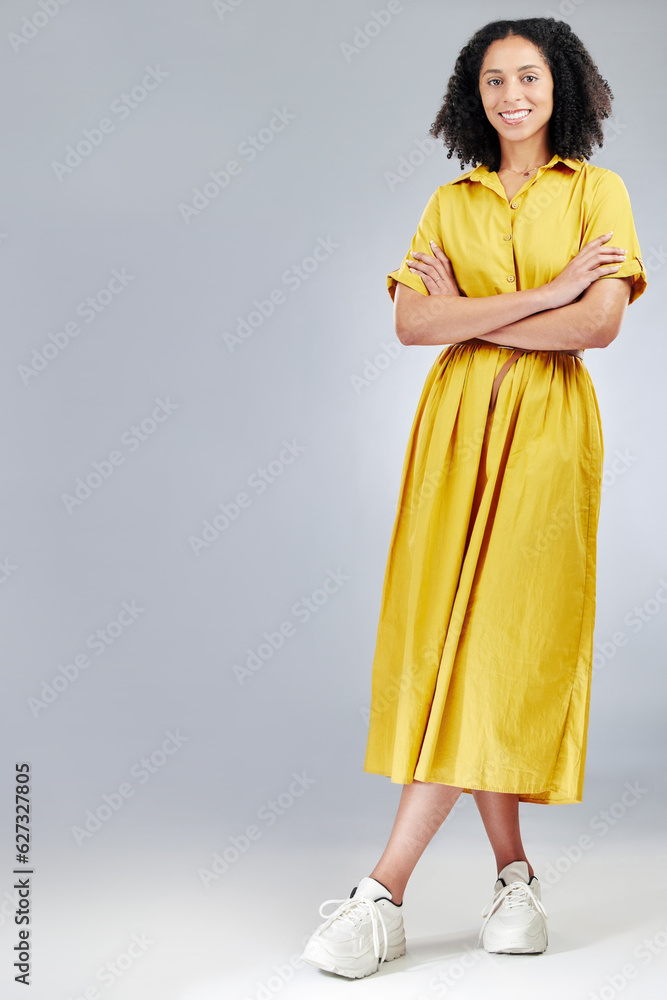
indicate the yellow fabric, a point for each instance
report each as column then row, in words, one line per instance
column 483, row 662
column 565, row 205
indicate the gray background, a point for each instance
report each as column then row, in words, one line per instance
column 326, row 176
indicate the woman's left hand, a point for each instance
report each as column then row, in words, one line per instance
column 435, row 271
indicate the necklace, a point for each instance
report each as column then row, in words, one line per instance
column 526, row 173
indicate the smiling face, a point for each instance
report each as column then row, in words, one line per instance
column 516, row 87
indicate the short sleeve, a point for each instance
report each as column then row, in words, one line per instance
column 611, row 210
column 428, row 229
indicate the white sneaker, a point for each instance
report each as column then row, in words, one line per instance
column 365, row 930
column 515, row 921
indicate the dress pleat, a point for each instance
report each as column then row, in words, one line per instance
column 483, row 661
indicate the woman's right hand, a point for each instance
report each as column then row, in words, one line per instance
column 583, row 270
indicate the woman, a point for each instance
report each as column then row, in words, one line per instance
column 483, row 663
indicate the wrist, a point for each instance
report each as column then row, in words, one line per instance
column 543, row 297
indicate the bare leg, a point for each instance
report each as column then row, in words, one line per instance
column 423, row 808
column 500, row 815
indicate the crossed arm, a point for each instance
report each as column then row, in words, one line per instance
column 516, row 319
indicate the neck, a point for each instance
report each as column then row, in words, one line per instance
column 519, row 156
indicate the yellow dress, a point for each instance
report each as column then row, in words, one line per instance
column 483, row 661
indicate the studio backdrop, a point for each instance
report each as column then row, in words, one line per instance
column 205, row 410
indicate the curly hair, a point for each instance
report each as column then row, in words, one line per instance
column 581, row 97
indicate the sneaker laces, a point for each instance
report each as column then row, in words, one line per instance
column 353, row 909
column 514, row 895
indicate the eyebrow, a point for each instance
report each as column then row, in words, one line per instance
column 529, row 66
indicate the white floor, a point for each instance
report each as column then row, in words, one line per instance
column 132, row 921
column 600, row 914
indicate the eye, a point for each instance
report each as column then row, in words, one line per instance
column 495, row 79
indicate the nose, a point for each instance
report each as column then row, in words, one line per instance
column 514, row 92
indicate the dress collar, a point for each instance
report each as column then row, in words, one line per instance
column 482, row 172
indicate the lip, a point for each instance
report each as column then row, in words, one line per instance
column 517, row 121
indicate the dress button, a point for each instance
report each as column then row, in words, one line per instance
column 514, row 205
column 507, row 236
column 510, row 277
